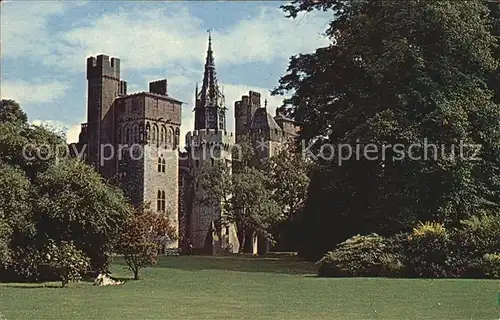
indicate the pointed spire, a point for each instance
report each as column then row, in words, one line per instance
column 210, row 56
column 209, row 100
column 265, row 103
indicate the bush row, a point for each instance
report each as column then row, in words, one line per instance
column 429, row 250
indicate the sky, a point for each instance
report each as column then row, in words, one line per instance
column 45, row 44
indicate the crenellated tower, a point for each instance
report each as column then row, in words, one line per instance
column 104, row 86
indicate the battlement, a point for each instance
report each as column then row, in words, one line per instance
column 101, row 66
column 209, row 136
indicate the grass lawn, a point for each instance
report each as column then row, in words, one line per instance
column 200, row 287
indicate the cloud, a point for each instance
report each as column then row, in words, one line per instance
column 25, row 31
column 164, row 38
column 25, row 92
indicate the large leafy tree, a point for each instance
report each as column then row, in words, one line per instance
column 16, row 223
column 75, row 204
column 287, row 177
column 242, row 198
column 398, row 73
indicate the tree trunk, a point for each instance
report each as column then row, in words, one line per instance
column 242, row 236
column 136, row 274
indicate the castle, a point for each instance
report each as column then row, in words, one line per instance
column 133, row 141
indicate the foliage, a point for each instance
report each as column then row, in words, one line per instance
column 397, row 74
column 254, row 210
column 491, row 265
column 480, row 234
column 243, row 153
column 357, row 256
column 242, row 198
column 24, row 264
column 428, row 250
column 391, row 265
column 75, row 204
column 287, row 176
column 143, row 237
column 10, row 111
column 67, row 262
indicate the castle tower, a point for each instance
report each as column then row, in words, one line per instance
column 210, row 109
column 208, row 143
column 104, row 85
column 243, row 113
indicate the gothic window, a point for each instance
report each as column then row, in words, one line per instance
column 162, row 135
column 119, row 135
column 148, row 131
column 176, row 138
column 126, row 135
column 170, row 135
column 160, row 202
column 212, row 161
column 141, row 133
column 162, row 164
column 135, row 133
column 155, row 133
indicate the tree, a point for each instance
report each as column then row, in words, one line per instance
column 397, row 73
column 243, row 153
column 254, row 210
column 287, row 177
column 10, row 111
column 242, row 198
column 74, row 203
column 143, row 237
column 16, row 222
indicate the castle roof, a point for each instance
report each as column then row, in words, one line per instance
column 263, row 120
column 151, row 94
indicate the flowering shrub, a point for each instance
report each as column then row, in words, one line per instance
column 428, row 250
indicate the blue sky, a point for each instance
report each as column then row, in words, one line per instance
column 45, row 45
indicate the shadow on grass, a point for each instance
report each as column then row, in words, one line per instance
column 31, row 286
column 242, row 263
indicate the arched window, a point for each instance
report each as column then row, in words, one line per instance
column 176, row 138
column 148, row 131
column 155, row 133
column 126, row 135
column 162, row 164
column 170, row 136
column 162, row 135
column 160, row 202
column 135, row 133
column 119, row 135
column 141, row 133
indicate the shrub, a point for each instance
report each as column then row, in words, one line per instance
column 357, row 256
column 66, row 262
column 391, row 265
column 428, row 250
column 23, row 264
column 481, row 234
column 491, row 265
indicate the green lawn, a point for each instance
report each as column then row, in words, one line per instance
column 251, row 288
